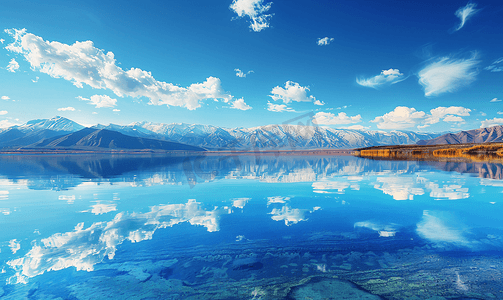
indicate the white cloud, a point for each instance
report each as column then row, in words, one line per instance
column 100, row 101
column 387, row 77
column 495, row 100
column 401, row 117
column 324, row 118
column 116, row 110
column 447, row 75
column 69, row 108
column 7, row 124
column 101, row 208
column 465, row 13
column 292, row 92
column 278, row 107
column 289, row 215
column 13, row 66
column 277, row 199
column 255, row 10
column 495, row 66
column 356, row 127
column 82, row 63
column 240, row 202
column 500, row 112
column 318, row 102
column 5, row 98
column 36, row 79
column 491, row 122
column 14, row 246
column 448, row 113
column 242, row 74
column 2, row 40
column 240, row 104
column 3, row 112
column 324, row 41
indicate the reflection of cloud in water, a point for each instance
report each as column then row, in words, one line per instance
column 491, row 182
column 447, row 192
column 101, row 208
column 277, row 199
column 291, row 215
column 82, row 248
column 14, row 245
column 68, row 199
column 333, row 186
column 384, row 230
column 400, row 188
column 439, row 227
column 4, row 195
column 240, row 202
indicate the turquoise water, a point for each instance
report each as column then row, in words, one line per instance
column 249, row 227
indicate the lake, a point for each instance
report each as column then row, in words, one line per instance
column 249, row 227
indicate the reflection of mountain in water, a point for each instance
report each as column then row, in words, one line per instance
column 482, row 169
column 63, row 172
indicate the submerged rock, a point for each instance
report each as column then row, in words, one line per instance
column 328, row 288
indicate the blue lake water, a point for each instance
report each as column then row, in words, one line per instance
column 249, row 227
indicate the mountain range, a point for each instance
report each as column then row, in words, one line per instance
column 59, row 132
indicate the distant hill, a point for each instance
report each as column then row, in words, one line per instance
column 99, row 139
column 483, row 135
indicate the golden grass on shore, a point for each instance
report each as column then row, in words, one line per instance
column 473, row 152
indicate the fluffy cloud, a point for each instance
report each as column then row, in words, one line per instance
column 116, row 110
column 242, row 74
column 240, row 104
column 255, row 10
column 491, row 122
column 13, row 66
column 449, row 114
column 278, row 107
column 465, row 13
column 324, row 118
column 2, row 40
column 82, row 63
column 5, row 98
column 291, row 92
column 495, row 100
column 401, row 117
column 318, row 102
column 100, row 101
column 7, row 124
column 69, row 108
column 324, row 41
column 447, row 75
column 387, row 77
column 3, row 112
column 495, row 66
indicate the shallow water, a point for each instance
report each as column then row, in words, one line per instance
column 249, row 227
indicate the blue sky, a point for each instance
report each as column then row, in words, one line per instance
column 407, row 65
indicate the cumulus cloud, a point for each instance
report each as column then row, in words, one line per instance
column 100, row 101
column 278, row 107
column 448, row 114
column 495, row 100
column 36, row 79
column 5, row 98
column 324, row 41
column 82, row 63
column 116, row 110
column 291, row 92
column 242, row 74
column 3, row 112
column 318, row 102
column 255, row 10
column 496, row 66
column 324, row 118
column 387, row 77
column 2, row 40
column 69, row 108
column 448, row 74
column 7, row 124
column 491, row 122
column 464, row 13
column 401, row 117
column 13, row 66
column 240, row 104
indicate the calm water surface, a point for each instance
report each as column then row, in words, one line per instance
column 246, row 227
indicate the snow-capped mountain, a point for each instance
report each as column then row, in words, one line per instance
column 54, row 124
column 278, row 137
